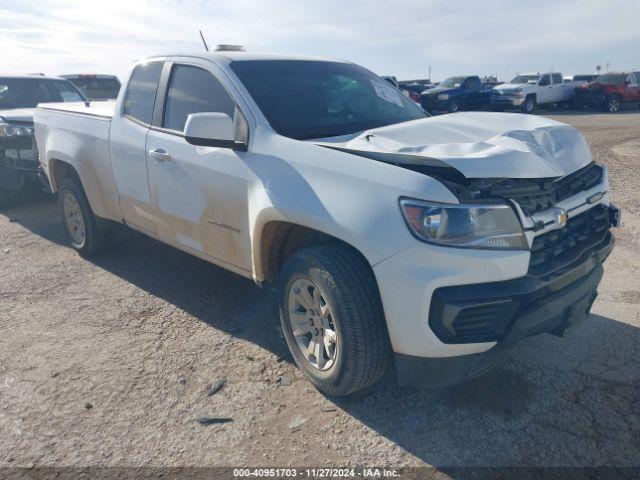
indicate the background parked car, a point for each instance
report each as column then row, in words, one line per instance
column 528, row 90
column 581, row 78
column 392, row 80
column 407, row 92
column 417, row 86
column 96, row 87
column 457, row 93
column 18, row 98
column 610, row 92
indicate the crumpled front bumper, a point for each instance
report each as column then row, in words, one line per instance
column 533, row 306
column 452, row 312
column 18, row 161
column 507, row 101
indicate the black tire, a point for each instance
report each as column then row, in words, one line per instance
column 96, row 240
column 363, row 350
column 529, row 104
column 612, row 104
column 453, row 107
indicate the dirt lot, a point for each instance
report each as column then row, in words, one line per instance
column 107, row 362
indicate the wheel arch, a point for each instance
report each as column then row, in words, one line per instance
column 279, row 239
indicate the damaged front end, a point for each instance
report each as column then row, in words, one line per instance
column 19, row 162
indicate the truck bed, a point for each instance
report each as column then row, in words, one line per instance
column 104, row 109
column 77, row 133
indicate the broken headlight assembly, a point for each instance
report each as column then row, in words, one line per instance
column 7, row 130
column 486, row 226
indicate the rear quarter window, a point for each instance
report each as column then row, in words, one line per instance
column 141, row 91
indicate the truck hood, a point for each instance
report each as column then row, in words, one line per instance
column 512, row 86
column 439, row 90
column 23, row 115
column 477, row 144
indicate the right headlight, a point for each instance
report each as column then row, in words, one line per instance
column 486, row 226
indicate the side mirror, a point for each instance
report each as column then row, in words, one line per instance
column 211, row 129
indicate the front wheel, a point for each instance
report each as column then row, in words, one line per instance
column 529, row 104
column 453, row 107
column 79, row 221
column 332, row 318
column 612, row 104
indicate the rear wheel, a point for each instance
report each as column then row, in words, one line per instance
column 529, row 104
column 332, row 318
column 79, row 221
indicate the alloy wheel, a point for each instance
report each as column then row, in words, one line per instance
column 73, row 218
column 313, row 324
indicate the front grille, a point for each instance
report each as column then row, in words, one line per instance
column 557, row 248
column 538, row 195
column 565, row 187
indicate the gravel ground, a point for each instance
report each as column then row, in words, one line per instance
column 108, row 362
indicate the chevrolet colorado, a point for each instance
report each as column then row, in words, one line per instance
column 389, row 234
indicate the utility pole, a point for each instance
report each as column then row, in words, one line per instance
column 430, row 74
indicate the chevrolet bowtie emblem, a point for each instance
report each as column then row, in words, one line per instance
column 561, row 216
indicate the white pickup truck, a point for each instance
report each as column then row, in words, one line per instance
column 438, row 242
column 529, row 90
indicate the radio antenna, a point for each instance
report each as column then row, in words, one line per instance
column 206, row 47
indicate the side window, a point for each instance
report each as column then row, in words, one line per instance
column 545, row 80
column 557, row 78
column 193, row 90
column 141, row 91
column 633, row 79
column 64, row 92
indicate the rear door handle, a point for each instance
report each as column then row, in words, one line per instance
column 160, row 155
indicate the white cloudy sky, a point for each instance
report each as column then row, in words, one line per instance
column 400, row 37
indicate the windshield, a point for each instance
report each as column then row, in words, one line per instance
column 525, row 79
column 94, row 88
column 612, row 78
column 452, row 82
column 29, row 92
column 305, row 99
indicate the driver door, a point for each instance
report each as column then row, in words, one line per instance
column 199, row 193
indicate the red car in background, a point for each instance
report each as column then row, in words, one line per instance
column 610, row 92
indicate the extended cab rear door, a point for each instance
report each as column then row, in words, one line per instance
column 128, row 137
column 545, row 90
column 558, row 87
column 200, row 193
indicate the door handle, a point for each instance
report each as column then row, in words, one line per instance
column 160, row 155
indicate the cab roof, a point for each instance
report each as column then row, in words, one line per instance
column 238, row 56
